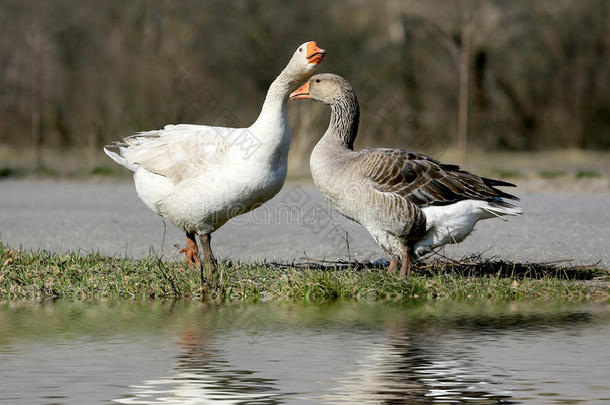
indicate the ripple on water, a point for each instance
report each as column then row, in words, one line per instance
column 341, row 353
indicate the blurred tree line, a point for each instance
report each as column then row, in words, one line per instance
column 84, row 73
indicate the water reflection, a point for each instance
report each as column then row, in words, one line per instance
column 405, row 360
column 408, row 368
column 270, row 354
column 202, row 376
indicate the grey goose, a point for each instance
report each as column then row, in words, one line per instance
column 410, row 203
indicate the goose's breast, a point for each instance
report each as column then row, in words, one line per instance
column 343, row 190
column 208, row 201
column 353, row 195
column 254, row 185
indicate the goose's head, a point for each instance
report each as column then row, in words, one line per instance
column 305, row 60
column 325, row 88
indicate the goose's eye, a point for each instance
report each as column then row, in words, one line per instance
column 317, row 80
column 300, row 49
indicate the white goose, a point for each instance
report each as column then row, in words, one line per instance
column 410, row 203
column 199, row 177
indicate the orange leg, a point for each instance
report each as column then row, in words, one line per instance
column 191, row 253
column 405, row 267
column 393, row 266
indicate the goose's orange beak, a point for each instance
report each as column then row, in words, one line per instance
column 301, row 92
column 315, row 54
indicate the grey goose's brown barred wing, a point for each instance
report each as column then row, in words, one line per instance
column 423, row 180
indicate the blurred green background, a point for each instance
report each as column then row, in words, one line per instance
column 531, row 75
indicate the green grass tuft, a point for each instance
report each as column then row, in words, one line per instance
column 503, row 173
column 551, row 174
column 106, row 171
column 583, row 174
column 42, row 275
column 6, row 172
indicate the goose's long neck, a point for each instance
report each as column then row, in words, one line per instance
column 344, row 120
column 274, row 107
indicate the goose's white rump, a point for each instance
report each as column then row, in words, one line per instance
column 199, row 176
column 454, row 222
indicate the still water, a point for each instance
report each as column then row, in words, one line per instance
column 340, row 353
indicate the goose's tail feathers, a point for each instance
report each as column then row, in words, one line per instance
column 499, row 208
column 118, row 158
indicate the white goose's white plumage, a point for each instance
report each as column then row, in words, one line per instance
column 199, row 177
column 410, row 203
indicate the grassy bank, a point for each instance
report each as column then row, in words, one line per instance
column 41, row 275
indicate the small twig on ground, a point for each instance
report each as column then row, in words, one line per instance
column 201, row 275
column 444, row 257
column 556, row 261
column 346, row 239
column 306, row 258
column 161, row 267
column 164, row 231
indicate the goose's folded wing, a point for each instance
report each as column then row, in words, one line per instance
column 176, row 151
column 423, row 180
